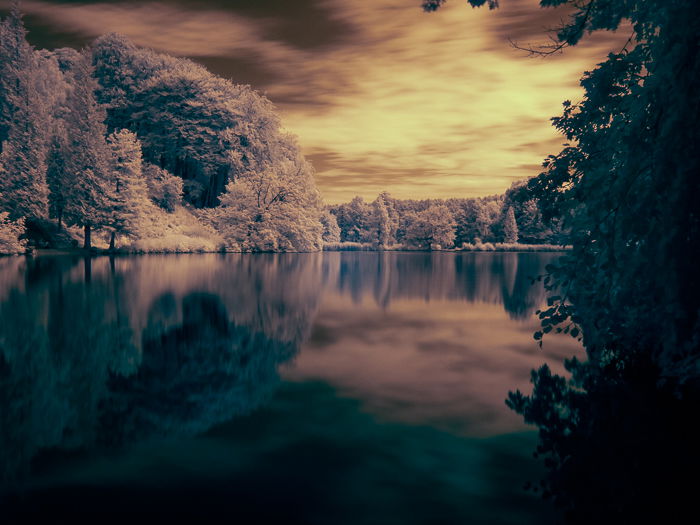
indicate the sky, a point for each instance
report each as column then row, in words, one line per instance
column 382, row 96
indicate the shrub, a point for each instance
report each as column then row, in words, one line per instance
column 10, row 231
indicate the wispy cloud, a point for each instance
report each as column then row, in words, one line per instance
column 381, row 95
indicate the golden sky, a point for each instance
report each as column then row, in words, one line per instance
column 381, row 95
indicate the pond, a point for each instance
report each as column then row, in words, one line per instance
column 351, row 387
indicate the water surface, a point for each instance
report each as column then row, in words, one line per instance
column 305, row 388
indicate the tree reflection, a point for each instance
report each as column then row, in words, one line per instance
column 194, row 374
column 159, row 347
column 140, row 350
column 495, row 278
column 615, row 441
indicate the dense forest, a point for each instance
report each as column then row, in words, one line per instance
column 514, row 217
column 147, row 151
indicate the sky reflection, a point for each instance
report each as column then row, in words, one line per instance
column 445, row 364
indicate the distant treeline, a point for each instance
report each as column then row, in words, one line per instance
column 144, row 150
column 514, row 217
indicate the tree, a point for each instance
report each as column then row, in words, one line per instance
column 55, row 177
column 202, row 128
column 431, row 228
column 531, row 224
column 331, row 230
column 628, row 191
column 25, row 120
column 164, row 188
column 475, row 220
column 627, row 187
column 130, row 192
column 393, row 224
column 277, row 209
column 88, row 194
column 532, row 227
column 13, row 52
column 468, row 227
column 381, row 224
column 353, row 219
column 510, row 227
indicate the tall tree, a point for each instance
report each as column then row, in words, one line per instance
column 130, row 192
column 13, row 44
column 390, row 204
column 25, row 121
column 56, row 176
column 89, row 192
column 381, row 224
column 510, row 227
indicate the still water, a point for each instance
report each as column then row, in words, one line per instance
column 335, row 388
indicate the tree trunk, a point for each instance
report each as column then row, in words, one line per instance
column 59, row 219
column 87, row 264
column 87, row 244
column 111, row 242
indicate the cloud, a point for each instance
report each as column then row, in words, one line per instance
column 433, row 94
column 381, row 95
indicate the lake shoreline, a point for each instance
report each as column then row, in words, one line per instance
column 477, row 247
column 524, row 248
column 520, row 248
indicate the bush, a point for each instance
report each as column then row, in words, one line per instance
column 177, row 232
column 348, row 247
column 10, row 231
column 164, row 188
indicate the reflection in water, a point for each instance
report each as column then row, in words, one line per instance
column 497, row 278
column 193, row 375
column 119, row 355
column 112, row 352
column 423, row 339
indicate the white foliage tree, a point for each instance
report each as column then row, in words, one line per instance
column 164, row 188
column 275, row 209
column 130, row 192
column 26, row 105
column 89, row 193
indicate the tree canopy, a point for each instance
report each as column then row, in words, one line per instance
column 129, row 143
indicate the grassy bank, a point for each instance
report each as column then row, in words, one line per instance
column 467, row 247
column 184, row 244
column 511, row 247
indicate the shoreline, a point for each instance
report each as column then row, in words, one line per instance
column 95, row 252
